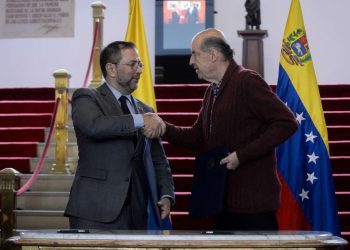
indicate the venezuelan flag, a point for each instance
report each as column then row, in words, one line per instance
column 308, row 198
column 136, row 34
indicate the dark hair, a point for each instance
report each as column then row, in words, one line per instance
column 111, row 54
column 219, row 44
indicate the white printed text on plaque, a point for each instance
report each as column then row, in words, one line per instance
column 36, row 18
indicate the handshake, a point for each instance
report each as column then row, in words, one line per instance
column 154, row 125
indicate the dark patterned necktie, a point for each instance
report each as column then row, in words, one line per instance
column 123, row 105
column 215, row 88
column 126, row 111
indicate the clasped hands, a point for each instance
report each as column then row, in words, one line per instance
column 154, row 125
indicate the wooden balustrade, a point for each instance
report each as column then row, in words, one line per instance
column 9, row 183
column 61, row 127
column 98, row 15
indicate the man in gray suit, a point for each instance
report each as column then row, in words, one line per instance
column 110, row 189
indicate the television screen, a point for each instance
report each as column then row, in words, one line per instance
column 178, row 21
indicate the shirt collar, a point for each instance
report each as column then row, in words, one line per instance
column 116, row 93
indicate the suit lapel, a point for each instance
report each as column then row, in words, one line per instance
column 107, row 94
column 138, row 106
column 110, row 98
column 140, row 137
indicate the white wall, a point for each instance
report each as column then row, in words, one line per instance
column 31, row 62
column 327, row 26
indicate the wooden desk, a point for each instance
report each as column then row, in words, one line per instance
column 102, row 240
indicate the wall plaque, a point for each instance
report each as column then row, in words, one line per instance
column 36, row 18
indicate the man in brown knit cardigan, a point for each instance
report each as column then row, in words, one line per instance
column 240, row 111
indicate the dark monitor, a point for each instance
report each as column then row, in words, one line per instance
column 178, row 21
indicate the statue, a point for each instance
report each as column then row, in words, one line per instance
column 252, row 19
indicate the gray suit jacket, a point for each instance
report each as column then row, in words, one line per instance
column 109, row 162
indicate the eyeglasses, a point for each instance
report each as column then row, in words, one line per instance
column 132, row 64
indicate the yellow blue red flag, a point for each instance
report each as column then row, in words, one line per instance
column 136, row 34
column 308, row 198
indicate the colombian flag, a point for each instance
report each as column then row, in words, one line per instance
column 145, row 92
column 308, row 198
column 136, row 34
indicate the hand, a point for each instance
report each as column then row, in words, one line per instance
column 231, row 161
column 154, row 125
column 164, row 205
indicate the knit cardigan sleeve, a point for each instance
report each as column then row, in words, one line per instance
column 264, row 104
column 189, row 137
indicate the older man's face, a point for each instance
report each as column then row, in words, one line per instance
column 200, row 60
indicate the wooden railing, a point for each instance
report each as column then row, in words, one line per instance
column 61, row 127
column 98, row 15
column 62, row 84
column 9, row 182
